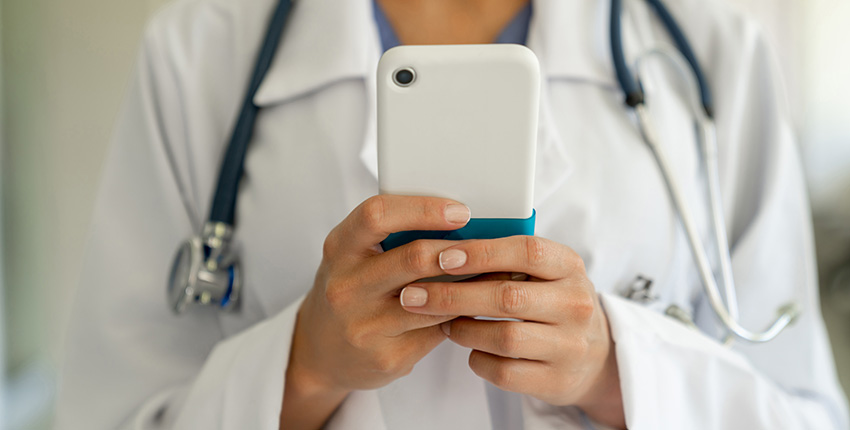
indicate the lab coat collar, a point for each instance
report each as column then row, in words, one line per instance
column 324, row 41
column 571, row 40
column 327, row 41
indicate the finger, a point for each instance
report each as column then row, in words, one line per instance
column 419, row 343
column 511, row 339
column 533, row 255
column 374, row 219
column 509, row 374
column 400, row 356
column 535, row 301
column 388, row 272
column 398, row 321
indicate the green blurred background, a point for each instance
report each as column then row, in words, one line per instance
column 64, row 68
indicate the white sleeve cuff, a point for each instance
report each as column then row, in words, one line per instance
column 241, row 384
column 672, row 376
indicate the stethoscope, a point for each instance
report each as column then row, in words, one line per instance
column 205, row 270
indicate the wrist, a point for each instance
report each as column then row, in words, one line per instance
column 604, row 400
column 306, row 373
column 302, row 382
column 308, row 398
column 307, row 403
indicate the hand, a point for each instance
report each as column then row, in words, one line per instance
column 560, row 352
column 351, row 333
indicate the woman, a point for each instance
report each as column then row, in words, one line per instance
column 333, row 332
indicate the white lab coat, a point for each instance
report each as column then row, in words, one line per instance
column 132, row 364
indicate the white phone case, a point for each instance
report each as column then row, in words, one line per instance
column 465, row 128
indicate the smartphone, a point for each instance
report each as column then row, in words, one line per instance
column 460, row 122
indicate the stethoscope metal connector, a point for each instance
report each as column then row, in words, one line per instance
column 203, row 273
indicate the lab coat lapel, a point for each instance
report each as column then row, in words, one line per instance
column 369, row 151
column 567, row 39
column 325, row 41
column 311, row 57
column 571, row 40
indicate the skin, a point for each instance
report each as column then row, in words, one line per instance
column 437, row 22
column 367, row 321
column 560, row 351
column 353, row 333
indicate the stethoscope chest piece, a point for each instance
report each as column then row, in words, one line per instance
column 200, row 274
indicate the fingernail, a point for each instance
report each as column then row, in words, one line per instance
column 414, row 296
column 457, row 214
column 516, row 276
column 452, row 259
column 446, row 327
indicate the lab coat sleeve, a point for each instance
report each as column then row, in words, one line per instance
column 675, row 377
column 129, row 362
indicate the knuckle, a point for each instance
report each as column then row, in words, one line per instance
column 583, row 306
column 417, row 258
column 474, row 362
column 373, row 213
column 503, row 375
column 483, row 253
column 512, row 298
column 564, row 380
column 388, row 364
column 447, row 298
column 535, row 251
column 563, row 345
column 404, row 371
column 330, row 247
column 337, row 294
column 580, row 346
column 356, row 336
column 576, row 263
column 432, row 209
column 511, row 340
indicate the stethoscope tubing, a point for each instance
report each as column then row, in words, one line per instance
column 707, row 143
column 788, row 312
column 631, row 87
column 725, row 306
column 223, row 209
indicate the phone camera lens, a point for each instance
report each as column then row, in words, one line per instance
column 404, row 77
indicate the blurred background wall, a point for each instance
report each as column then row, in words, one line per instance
column 65, row 65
